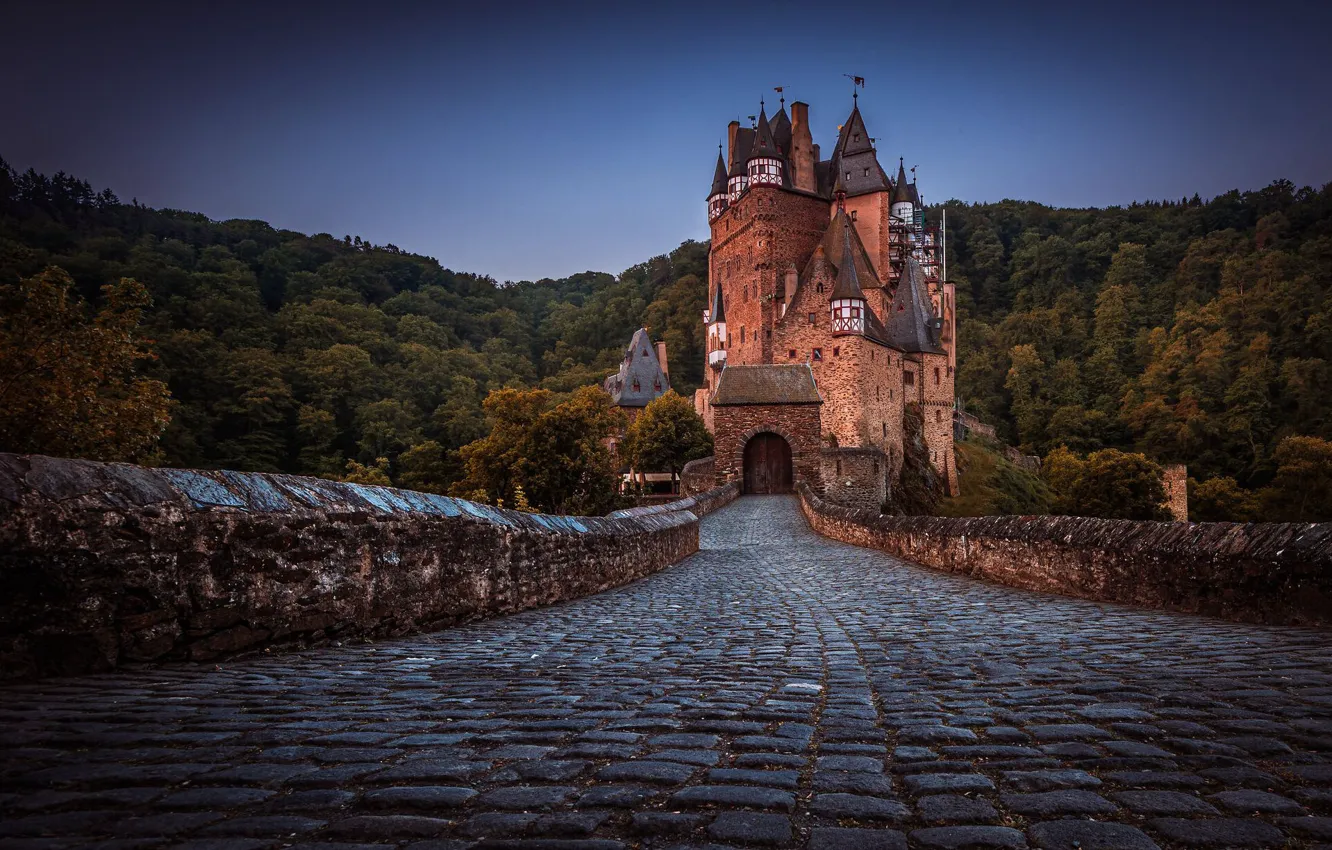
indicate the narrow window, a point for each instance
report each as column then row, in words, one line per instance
column 742, row 336
column 818, row 287
column 908, row 378
column 876, row 393
column 853, row 215
column 818, row 354
column 811, row 318
column 837, row 352
column 936, row 376
column 885, row 428
column 938, row 416
column 791, row 354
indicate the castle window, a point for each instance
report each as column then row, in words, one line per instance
column 876, row 393
column 866, row 172
column 837, row 352
column 645, row 352
column 818, row 287
column 890, row 393
column 885, row 428
column 636, row 386
column 848, row 175
column 818, row 354
column 853, row 215
column 742, row 336
column 938, row 416
column 908, row 378
column 656, row 385
column 811, row 318
column 936, row 376
column 791, row 354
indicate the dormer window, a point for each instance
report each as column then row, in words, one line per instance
column 636, row 386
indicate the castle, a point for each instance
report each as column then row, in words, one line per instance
column 829, row 314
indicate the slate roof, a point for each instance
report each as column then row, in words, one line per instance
column 766, row 384
column 902, row 191
column 833, row 247
column 847, row 279
column 718, row 311
column 763, row 146
column 744, row 140
column 719, row 177
column 781, row 131
column 640, row 364
column 911, row 323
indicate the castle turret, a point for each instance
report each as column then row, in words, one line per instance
column 716, row 320
column 848, row 299
column 904, row 206
column 717, row 202
column 764, row 163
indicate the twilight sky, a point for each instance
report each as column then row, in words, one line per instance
column 524, row 140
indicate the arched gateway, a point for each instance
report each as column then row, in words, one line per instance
column 767, row 464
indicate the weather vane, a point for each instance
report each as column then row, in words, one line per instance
column 856, row 83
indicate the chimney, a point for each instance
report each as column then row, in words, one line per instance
column 731, row 130
column 661, row 358
column 802, row 149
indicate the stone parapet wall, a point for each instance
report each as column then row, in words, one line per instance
column 102, row 564
column 698, row 476
column 699, row 505
column 1276, row 573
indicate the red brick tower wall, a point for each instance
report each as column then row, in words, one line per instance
column 753, row 243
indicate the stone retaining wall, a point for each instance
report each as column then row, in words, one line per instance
column 1277, row 573
column 102, row 564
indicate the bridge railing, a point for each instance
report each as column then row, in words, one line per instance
column 1278, row 573
column 103, row 564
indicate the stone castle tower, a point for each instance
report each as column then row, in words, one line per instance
column 825, row 283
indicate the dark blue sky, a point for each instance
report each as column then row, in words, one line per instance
column 527, row 140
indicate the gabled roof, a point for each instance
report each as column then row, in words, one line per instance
column 841, row 230
column 763, row 141
column 640, row 365
column 719, row 177
column 854, row 138
column 718, row 311
column 766, row 384
column 911, row 322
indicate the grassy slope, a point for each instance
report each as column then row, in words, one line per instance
column 991, row 485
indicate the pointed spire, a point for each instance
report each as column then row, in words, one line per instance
column 912, row 325
column 847, row 285
column 854, row 138
column 717, row 316
column 902, row 189
column 719, row 176
column 763, row 143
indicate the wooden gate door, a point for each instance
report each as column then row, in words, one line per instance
column 767, row 465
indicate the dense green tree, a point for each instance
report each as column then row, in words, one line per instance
column 1109, row 484
column 665, row 436
column 69, row 379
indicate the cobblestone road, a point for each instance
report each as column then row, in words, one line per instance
column 776, row 689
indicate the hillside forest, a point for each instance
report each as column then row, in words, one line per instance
column 1192, row 331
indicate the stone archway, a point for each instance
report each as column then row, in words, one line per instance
column 767, row 464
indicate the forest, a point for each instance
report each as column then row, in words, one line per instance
column 1192, row 331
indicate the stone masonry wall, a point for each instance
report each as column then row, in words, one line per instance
column 1175, row 481
column 855, row 478
column 102, row 564
column 1277, row 573
column 736, row 424
column 699, row 505
column 698, row 476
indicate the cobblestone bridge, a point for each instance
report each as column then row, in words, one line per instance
column 775, row 689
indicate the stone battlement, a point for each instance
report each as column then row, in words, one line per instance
column 1276, row 573
column 106, row 563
